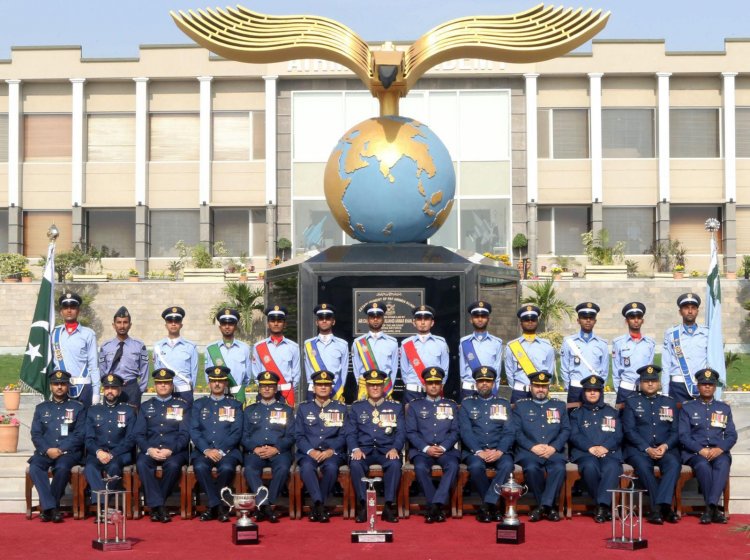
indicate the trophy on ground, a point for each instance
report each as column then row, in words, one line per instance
column 110, row 519
column 626, row 515
column 510, row 530
column 372, row 535
column 245, row 531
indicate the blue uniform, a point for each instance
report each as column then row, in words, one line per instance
column 79, row 358
column 59, row 425
column 709, row 425
column 433, row 351
column 650, row 422
column 181, row 356
column 162, row 424
column 594, row 351
column 488, row 350
column 542, row 422
column 433, row 422
column 629, row 354
column 268, row 424
column 694, row 344
column 334, row 354
column 132, row 366
column 236, row 357
column 542, row 355
column 109, row 428
column 375, row 428
column 286, row 356
column 487, row 424
column 320, row 426
column 385, row 349
column 592, row 425
column 216, row 424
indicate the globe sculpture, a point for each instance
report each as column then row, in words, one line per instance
column 390, row 180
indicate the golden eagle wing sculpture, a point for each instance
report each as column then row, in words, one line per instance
column 540, row 33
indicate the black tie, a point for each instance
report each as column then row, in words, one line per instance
column 118, row 357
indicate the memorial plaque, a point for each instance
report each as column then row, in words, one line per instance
column 398, row 316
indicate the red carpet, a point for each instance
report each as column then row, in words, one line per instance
column 292, row 540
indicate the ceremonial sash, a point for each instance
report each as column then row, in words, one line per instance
column 368, row 360
column 685, row 370
column 577, row 353
column 177, row 373
column 416, row 362
column 316, row 361
column 238, row 392
column 265, row 356
column 522, row 357
column 75, row 389
column 467, row 346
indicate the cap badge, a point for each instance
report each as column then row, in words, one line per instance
column 707, row 374
column 227, row 312
column 217, row 370
column 481, row 304
column 433, row 371
column 589, row 305
column 633, row 305
column 483, row 370
column 374, row 374
column 542, row 377
column 174, row 310
column 529, row 308
column 592, row 380
column 59, row 374
column 275, row 307
column 110, row 378
column 324, row 375
column 650, row 370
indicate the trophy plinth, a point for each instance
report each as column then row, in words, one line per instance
column 372, row 535
column 245, row 531
column 110, row 519
column 510, row 530
column 627, row 517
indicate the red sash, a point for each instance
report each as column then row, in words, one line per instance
column 265, row 356
column 414, row 359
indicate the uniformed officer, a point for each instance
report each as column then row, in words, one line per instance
column 57, row 432
column 326, row 352
column 231, row 353
column 75, row 351
column 321, row 443
column 162, row 434
column 432, row 432
column 583, row 354
column 216, row 430
column 110, row 435
column 278, row 354
column 595, row 446
column 542, row 430
column 421, row 351
column 375, row 434
column 487, row 433
column 527, row 354
column 707, row 435
column 685, row 351
column 631, row 351
column 177, row 354
column 268, row 436
column 375, row 350
column 649, row 422
column 479, row 348
column 126, row 357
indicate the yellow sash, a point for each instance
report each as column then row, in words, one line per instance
column 522, row 357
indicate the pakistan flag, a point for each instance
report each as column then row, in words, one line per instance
column 38, row 356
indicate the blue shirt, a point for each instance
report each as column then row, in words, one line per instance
column 706, row 425
column 649, row 422
column 335, row 357
column 181, row 357
column 376, row 426
column 629, row 354
column 111, row 428
column 540, row 352
column 385, row 350
column 79, row 352
column 59, row 424
column 432, row 422
column 237, row 358
column 433, row 352
column 163, row 424
column 216, row 424
column 694, row 344
column 486, row 424
column 286, row 356
column 595, row 352
column 320, row 427
column 595, row 424
column 268, row 424
column 133, row 364
column 489, row 352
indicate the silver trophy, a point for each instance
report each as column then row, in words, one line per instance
column 627, row 516
column 245, row 531
column 372, row 535
column 110, row 520
column 510, row 530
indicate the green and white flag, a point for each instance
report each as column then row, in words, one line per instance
column 715, row 348
column 37, row 359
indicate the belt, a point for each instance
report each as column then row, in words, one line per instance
column 468, row 385
column 520, row 386
column 182, row 387
column 630, row 386
column 678, row 379
column 80, row 380
column 285, row 386
column 416, row 387
column 575, row 383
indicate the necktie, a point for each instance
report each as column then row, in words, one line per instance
column 118, row 357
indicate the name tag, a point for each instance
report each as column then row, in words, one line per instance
column 64, row 430
column 498, row 412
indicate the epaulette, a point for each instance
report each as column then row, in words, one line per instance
column 179, row 399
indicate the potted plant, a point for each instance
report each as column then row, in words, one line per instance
column 556, row 272
column 678, row 272
column 133, row 275
column 12, row 396
column 283, row 244
column 9, row 428
column 26, row 275
column 11, row 266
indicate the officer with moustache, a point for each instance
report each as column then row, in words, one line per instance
column 479, row 348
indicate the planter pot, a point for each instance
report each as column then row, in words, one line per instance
column 26, row 279
column 731, row 276
column 557, row 276
column 12, row 400
column 134, row 279
column 203, row 275
column 678, row 275
column 90, row 278
column 8, row 438
column 10, row 280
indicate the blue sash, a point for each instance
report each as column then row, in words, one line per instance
column 467, row 346
column 689, row 383
column 75, row 390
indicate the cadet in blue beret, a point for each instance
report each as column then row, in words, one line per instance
column 230, row 352
column 177, row 354
column 421, row 351
column 527, row 354
column 480, row 348
column 685, row 351
column 375, row 350
column 278, row 353
column 583, row 354
column 631, row 351
column 326, row 352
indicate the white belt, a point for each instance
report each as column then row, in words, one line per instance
column 520, row 386
column 80, row 380
column 234, row 390
column 285, row 386
column 468, row 385
column 627, row 385
column 575, row 383
column 182, row 387
column 678, row 379
column 414, row 387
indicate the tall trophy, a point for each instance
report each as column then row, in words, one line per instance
column 372, row 535
column 627, row 517
column 245, row 531
column 510, row 530
column 110, row 519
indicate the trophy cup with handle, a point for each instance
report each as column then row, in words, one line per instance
column 510, row 530
column 372, row 535
column 245, row 531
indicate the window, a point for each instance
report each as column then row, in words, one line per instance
column 35, row 227
column 742, row 115
column 314, row 226
column 3, row 137
column 239, row 136
column 694, row 133
column 47, row 137
column 111, row 137
column 628, row 133
column 174, row 137
column 170, row 226
column 114, row 229
column 634, row 226
column 243, row 230
column 484, row 225
column 447, row 235
column 560, row 229
column 688, row 225
column 563, row 133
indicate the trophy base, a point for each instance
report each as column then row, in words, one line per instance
column 111, row 544
column 245, row 534
column 620, row 544
column 372, row 536
column 510, row 534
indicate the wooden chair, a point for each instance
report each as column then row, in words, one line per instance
column 84, row 506
column 193, row 505
column 76, row 474
column 344, row 479
column 572, row 475
column 687, row 474
column 408, row 477
column 267, row 476
column 140, row 508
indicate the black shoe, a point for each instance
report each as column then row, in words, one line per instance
column 655, row 518
column 536, row 514
column 669, row 514
column 313, row 516
column 269, row 514
column 323, row 516
column 210, row 514
column 47, row 515
column 429, row 517
column 361, row 513
column 439, row 514
column 155, row 514
column 707, row 516
column 390, row 515
column 224, row 514
column 600, row 515
column 552, row 513
column 718, row 516
column 483, row 514
column 495, row 514
column 57, row 516
column 165, row 517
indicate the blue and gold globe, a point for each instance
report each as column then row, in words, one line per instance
column 390, row 180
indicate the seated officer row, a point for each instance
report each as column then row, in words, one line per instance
column 485, row 432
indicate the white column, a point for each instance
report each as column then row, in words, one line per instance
column 270, row 138
column 204, row 167
column 663, row 110
column 141, row 140
column 595, row 94
column 76, row 155
column 730, row 138
column 532, row 140
column 14, row 142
